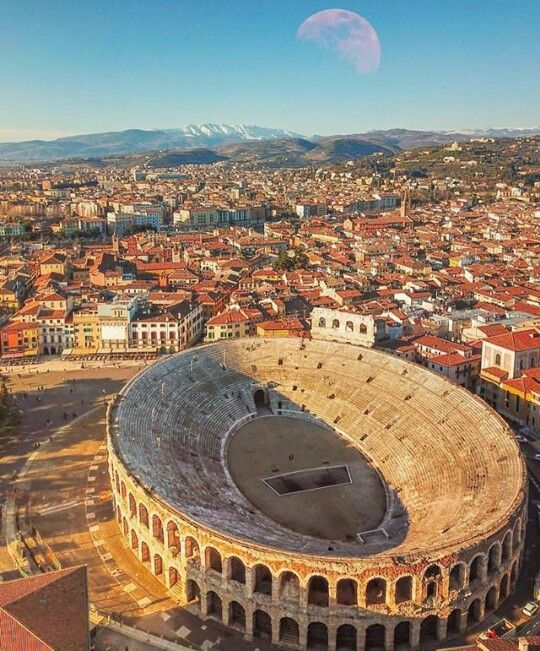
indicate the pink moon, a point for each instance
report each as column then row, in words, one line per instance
column 345, row 33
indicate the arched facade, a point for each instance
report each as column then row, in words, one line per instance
column 308, row 599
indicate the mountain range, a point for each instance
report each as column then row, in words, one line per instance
column 210, row 142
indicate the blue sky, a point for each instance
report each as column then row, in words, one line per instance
column 77, row 67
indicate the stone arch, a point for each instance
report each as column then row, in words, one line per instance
column 214, row 607
column 507, row 547
column 504, row 588
column 134, row 540
column 173, row 576
column 158, row 565
column 132, row 505
column 237, row 616
column 490, row 603
column 289, row 586
column 322, row 322
column 516, row 535
column 122, row 489
column 145, row 553
column 213, row 560
column 335, row 324
column 237, row 570
column 514, row 573
column 428, row 629
column 193, row 592
column 347, row 592
column 118, row 515
column 289, row 631
column 432, row 580
column 346, row 638
column 143, row 515
column 318, row 591
column 262, row 625
column 404, row 589
column 191, row 547
column 375, row 636
column 317, row 636
column 402, row 634
column 125, row 526
column 262, row 579
column 494, row 558
column 376, row 591
column 173, row 538
column 453, row 624
column 349, row 327
column 474, row 612
column 457, row 576
column 157, row 528
column 476, row 568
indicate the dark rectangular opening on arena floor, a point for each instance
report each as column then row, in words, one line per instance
column 307, row 480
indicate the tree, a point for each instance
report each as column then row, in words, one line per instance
column 291, row 260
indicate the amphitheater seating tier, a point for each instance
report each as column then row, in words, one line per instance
column 436, row 446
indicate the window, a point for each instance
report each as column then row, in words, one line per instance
column 497, row 359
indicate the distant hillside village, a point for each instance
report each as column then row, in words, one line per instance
column 143, row 262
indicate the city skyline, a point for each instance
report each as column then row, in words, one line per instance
column 70, row 69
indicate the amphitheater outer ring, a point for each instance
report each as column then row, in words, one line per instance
column 193, row 557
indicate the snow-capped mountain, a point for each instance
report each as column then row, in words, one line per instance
column 191, row 136
column 237, row 132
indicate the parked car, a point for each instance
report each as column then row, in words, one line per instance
column 530, row 608
column 536, row 457
column 521, row 439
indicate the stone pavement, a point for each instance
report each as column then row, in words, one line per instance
column 68, row 500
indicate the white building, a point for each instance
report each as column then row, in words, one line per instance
column 346, row 327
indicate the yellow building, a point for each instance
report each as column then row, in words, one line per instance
column 86, row 331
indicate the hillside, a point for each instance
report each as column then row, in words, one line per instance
column 245, row 143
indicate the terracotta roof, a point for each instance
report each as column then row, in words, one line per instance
column 46, row 611
column 517, row 341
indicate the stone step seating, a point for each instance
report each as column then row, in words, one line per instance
column 177, row 414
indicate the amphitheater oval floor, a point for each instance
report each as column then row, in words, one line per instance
column 306, row 477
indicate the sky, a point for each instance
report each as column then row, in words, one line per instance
column 70, row 67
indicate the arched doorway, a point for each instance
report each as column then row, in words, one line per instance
column 454, row 622
column 289, row 632
column 503, row 591
column 213, row 560
column 318, row 591
column 263, row 580
column 317, row 636
column 402, row 635
column 145, row 553
column 173, row 576
column 346, row 638
column 457, row 576
column 428, row 630
column 262, row 625
column 474, row 612
column 213, row 605
column 193, row 592
column 289, row 586
column 375, row 636
column 376, row 592
column 237, row 616
column 491, row 600
column 237, row 570
column 404, row 589
column 346, row 594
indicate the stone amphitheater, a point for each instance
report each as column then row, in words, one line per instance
column 316, row 494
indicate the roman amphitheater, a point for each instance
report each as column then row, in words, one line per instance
column 316, row 494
